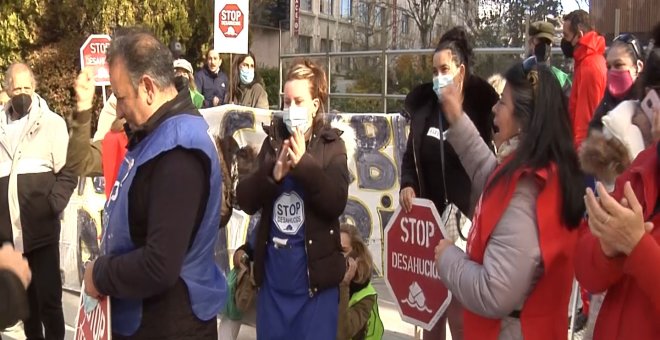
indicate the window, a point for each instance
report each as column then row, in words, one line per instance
column 346, row 8
column 326, row 45
column 306, row 5
column 363, row 12
column 378, row 18
column 304, row 44
column 347, row 62
column 327, row 6
column 404, row 24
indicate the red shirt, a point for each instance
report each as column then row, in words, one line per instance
column 113, row 151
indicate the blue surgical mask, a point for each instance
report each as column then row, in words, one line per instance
column 296, row 116
column 440, row 81
column 89, row 303
column 247, row 76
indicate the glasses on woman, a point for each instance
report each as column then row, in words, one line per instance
column 631, row 40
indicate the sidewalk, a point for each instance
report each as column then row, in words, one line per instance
column 395, row 328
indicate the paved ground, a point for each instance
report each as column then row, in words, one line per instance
column 395, row 328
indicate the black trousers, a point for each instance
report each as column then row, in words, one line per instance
column 45, row 295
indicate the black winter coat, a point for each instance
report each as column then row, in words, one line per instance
column 420, row 107
column 607, row 104
column 323, row 173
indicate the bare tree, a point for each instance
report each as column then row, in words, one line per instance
column 424, row 12
column 582, row 4
column 371, row 24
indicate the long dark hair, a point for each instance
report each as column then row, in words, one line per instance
column 236, row 73
column 541, row 110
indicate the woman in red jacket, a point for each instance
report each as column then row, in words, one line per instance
column 620, row 253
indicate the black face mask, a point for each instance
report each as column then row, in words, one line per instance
column 542, row 52
column 567, row 48
column 181, row 83
column 20, row 104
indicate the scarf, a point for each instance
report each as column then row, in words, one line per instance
column 507, row 148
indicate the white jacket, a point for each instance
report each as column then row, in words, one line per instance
column 41, row 148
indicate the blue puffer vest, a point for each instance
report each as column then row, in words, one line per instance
column 206, row 285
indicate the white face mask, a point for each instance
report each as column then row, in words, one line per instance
column 296, row 116
column 441, row 81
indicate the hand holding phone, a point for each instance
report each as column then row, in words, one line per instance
column 650, row 104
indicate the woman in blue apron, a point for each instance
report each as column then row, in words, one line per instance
column 301, row 187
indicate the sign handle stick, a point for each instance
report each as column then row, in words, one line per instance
column 231, row 76
column 105, row 99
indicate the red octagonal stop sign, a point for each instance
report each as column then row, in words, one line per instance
column 231, row 21
column 411, row 273
column 92, row 54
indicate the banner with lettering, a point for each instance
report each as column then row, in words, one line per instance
column 375, row 150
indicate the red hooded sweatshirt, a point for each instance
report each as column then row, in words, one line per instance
column 589, row 82
column 631, row 309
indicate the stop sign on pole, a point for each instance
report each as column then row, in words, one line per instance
column 92, row 53
column 230, row 31
column 411, row 273
column 231, row 21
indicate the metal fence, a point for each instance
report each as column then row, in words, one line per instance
column 386, row 57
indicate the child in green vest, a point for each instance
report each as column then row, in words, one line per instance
column 358, row 301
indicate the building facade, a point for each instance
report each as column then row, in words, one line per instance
column 315, row 26
column 625, row 16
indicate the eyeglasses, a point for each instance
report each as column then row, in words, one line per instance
column 630, row 39
column 529, row 64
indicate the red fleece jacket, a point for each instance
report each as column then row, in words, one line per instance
column 631, row 309
column 589, row 82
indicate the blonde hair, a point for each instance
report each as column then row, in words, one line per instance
column 191, row 81
column 306, row 69
column 363, row 256
column 497, row 82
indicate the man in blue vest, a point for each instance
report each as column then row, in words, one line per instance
column 157, row 263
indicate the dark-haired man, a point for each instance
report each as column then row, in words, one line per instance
column 163, row 212
column 211, row 81
column 582, row 43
